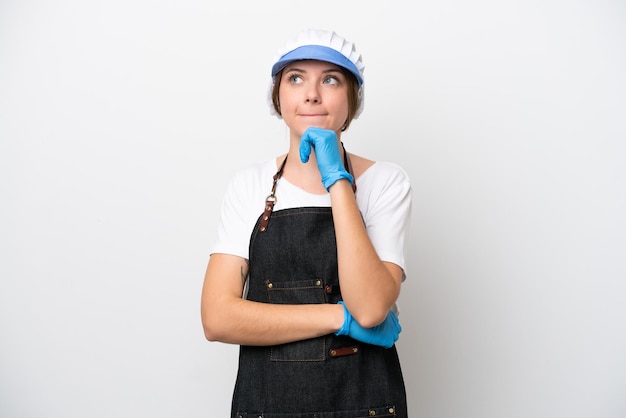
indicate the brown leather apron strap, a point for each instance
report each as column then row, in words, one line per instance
column 348, row 165
column 270, row 200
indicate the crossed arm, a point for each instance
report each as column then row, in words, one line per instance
column 369, row 286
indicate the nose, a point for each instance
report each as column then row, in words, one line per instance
column 312, row 95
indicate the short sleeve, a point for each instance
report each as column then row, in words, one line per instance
column 386, row 208
column 241, row 206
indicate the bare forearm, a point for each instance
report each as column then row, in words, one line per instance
column 367, row 286
column 245, row 322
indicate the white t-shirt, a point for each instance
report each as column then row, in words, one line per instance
column 383, row 196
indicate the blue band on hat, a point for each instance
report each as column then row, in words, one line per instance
column 319, row 53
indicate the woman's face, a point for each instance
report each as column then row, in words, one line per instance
column 313, row 93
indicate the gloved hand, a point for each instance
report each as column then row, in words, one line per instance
column 327, row 153
column 384, row 334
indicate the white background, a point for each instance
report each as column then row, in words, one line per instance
column 121, row 122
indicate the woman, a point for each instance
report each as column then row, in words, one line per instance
column 306, row 269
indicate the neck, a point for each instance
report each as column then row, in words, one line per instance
column 304, row 175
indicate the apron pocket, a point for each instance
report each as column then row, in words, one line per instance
column 306, row 350
column 385, row 411
column 298, row 292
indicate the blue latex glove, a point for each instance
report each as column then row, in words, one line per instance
column 327, row 154
column 384, row 334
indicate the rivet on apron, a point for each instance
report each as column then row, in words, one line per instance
column 372, row 413
column 268, row 284
column 318, row 283
column 391, row 410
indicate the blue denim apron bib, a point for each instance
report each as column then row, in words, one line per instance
column 293, row 260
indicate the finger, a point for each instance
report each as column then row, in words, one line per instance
column 397, row 322
column 305, row 147
column 395, row 317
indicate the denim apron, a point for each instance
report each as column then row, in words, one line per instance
column 293, row 260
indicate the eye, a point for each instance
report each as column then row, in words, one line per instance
column 294, row 78
column 331, row 79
